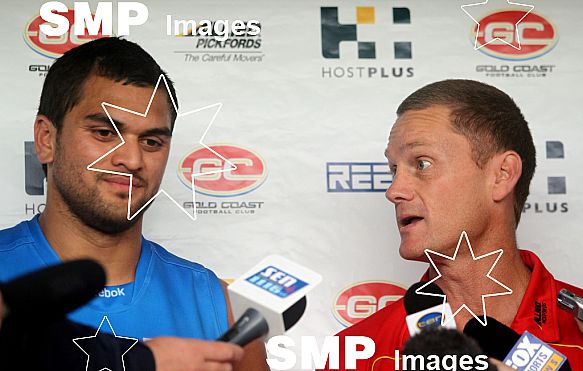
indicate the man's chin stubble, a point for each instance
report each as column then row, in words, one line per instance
column 104, row 220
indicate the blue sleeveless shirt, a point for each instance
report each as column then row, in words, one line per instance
column 169, row 297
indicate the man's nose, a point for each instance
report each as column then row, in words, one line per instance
column 128, row 155
column 401, row 189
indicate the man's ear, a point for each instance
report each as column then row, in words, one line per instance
column 507, row 168
column 45, row 139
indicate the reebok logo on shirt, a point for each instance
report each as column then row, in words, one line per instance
column 106, row 293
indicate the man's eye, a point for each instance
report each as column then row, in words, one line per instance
column 152, row 142
column 104, row 133
column 423, row 164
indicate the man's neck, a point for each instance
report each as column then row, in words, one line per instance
column 464, row 280
column 72, row 239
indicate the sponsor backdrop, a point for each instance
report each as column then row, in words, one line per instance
column 306, row 109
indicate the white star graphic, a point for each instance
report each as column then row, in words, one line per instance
column 463, row 236
column 470, row 7
column 86, row 339
column 213, row 108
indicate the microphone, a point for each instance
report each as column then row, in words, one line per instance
column 268, row 299
column 250, row 326
column 417, row 302
column 424, row 311
column 495, row 339
column 526, row 352
column 52, row 292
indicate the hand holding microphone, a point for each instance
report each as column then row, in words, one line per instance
column 250, row 326
column 178, row 354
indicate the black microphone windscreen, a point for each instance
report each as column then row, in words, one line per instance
column 417, row 302
column 250, row 326
column 292, row 315
column 495, row 339
column 54, row 291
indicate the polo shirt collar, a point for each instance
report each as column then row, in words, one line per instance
column 537, row 312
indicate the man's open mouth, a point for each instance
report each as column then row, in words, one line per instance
column 409, row 220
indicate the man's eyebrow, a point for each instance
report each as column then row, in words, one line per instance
column 408, row 145
column 413, row 144
column 163, row 131
column 99, row 117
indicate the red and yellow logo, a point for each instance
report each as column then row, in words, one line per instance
column 532, row 37
column 54, row 46
column 360, row 300
column 249, row 175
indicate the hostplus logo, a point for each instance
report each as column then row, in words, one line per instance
column 554, row 200
column 34, row 180
column 358, row 36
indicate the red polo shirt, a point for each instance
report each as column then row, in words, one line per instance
column 538, row 314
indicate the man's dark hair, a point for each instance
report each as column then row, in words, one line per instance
column 111, row 57
column 440, row 342
column 488, row 118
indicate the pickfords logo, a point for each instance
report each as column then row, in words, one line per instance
column 532, row 37
column 251, row 171
column 242, row 45
column 54, row 46
column 360, row 300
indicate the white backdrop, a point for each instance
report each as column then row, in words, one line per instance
column 300, row 112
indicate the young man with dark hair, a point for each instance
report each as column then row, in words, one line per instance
column 462, row 158
column 157, row 293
